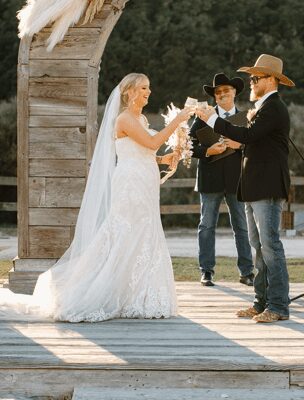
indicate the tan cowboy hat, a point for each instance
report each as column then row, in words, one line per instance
column 269, row 65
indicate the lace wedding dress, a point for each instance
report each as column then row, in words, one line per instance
column 126, row 270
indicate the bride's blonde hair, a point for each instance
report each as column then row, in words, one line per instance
column 128, row 82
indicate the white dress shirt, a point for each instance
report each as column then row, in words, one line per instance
column 221, row 111
column 211, row 120
column 259, row 102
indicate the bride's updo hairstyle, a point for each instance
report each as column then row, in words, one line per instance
column 130, row 81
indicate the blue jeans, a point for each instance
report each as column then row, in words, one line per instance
column 210, row 205
column 271, row 281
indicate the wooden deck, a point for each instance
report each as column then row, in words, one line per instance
column 206, row 346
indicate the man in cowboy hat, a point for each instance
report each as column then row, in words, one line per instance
column 217, row 181
column 264, row 183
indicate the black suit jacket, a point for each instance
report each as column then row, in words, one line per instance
column 218, row 176
column 265, row 172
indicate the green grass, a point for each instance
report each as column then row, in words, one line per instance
column 186, row 269
column 5, row 266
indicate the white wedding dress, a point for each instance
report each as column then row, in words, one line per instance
column 126, row 270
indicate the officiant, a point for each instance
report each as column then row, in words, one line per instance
column 218, row 174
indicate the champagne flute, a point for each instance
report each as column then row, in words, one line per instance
column 191, row 102
column 203, row 105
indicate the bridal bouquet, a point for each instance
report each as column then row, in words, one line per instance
column 180, row 141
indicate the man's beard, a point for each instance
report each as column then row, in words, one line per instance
column 253, row 96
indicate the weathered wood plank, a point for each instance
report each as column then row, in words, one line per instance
column 6, row 206
column 195, row 208
column 160, row 334
column 110, row 393
column 186, row 209
column 58, row 68
column 76, row 45
column 54, row 121
column 180, row 209
column 8, row 181
column 61, row 150
column 105, row 32
column 92, row 126
column 58, row 88
column 99, row 19
column 297, row 180
column 179, row 183
column 37, row 192
column 73, row 32
column 76, row 342
column 64, row 192
column 57, row 168
column 56, row 192
column 22, row 151
column 190, row 182
column 50, row 382
column 48, row 242
column 53, row 216
column 52, row 106
column 297, row 379
column 153, row 351
column 57, row 135
column 38, row 265
column 24, row 53
column 152, row 362
column 212, row 340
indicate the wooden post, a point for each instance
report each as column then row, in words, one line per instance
column 287, row 222
column 57, row 130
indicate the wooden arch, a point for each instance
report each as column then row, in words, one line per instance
column 57, row 130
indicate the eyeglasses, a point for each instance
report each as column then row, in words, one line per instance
column 255, row 79
column 222, row 91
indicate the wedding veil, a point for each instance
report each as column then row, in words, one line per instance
column 97, row 196
column 51, row 288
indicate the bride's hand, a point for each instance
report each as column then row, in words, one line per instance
column 185, row 114
column 171, row 159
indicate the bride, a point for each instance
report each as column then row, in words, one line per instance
column 118, row 265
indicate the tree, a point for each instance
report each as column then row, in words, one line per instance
column 9, row 43
column 180, row 45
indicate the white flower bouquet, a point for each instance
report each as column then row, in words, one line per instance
column 179, row 142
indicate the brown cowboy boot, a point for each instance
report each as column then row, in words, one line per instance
column 269, row 316
column 247, row 313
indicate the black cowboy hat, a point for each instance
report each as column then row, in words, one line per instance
column 222, row 79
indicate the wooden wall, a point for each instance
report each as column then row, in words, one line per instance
column 57, row 128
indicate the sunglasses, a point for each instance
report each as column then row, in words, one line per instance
column 255, row 79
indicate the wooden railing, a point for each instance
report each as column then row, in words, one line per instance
column 195, row 208
column 172, row 208
column 8, row 181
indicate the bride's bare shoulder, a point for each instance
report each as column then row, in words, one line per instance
column 123, row 117
column 122, row 125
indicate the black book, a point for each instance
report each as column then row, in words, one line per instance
column 207, row 137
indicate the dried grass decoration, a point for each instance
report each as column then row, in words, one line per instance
column 93, row 8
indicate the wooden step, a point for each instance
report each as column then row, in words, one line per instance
column 22, row 282
column 12, row 396
column 99, row 393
